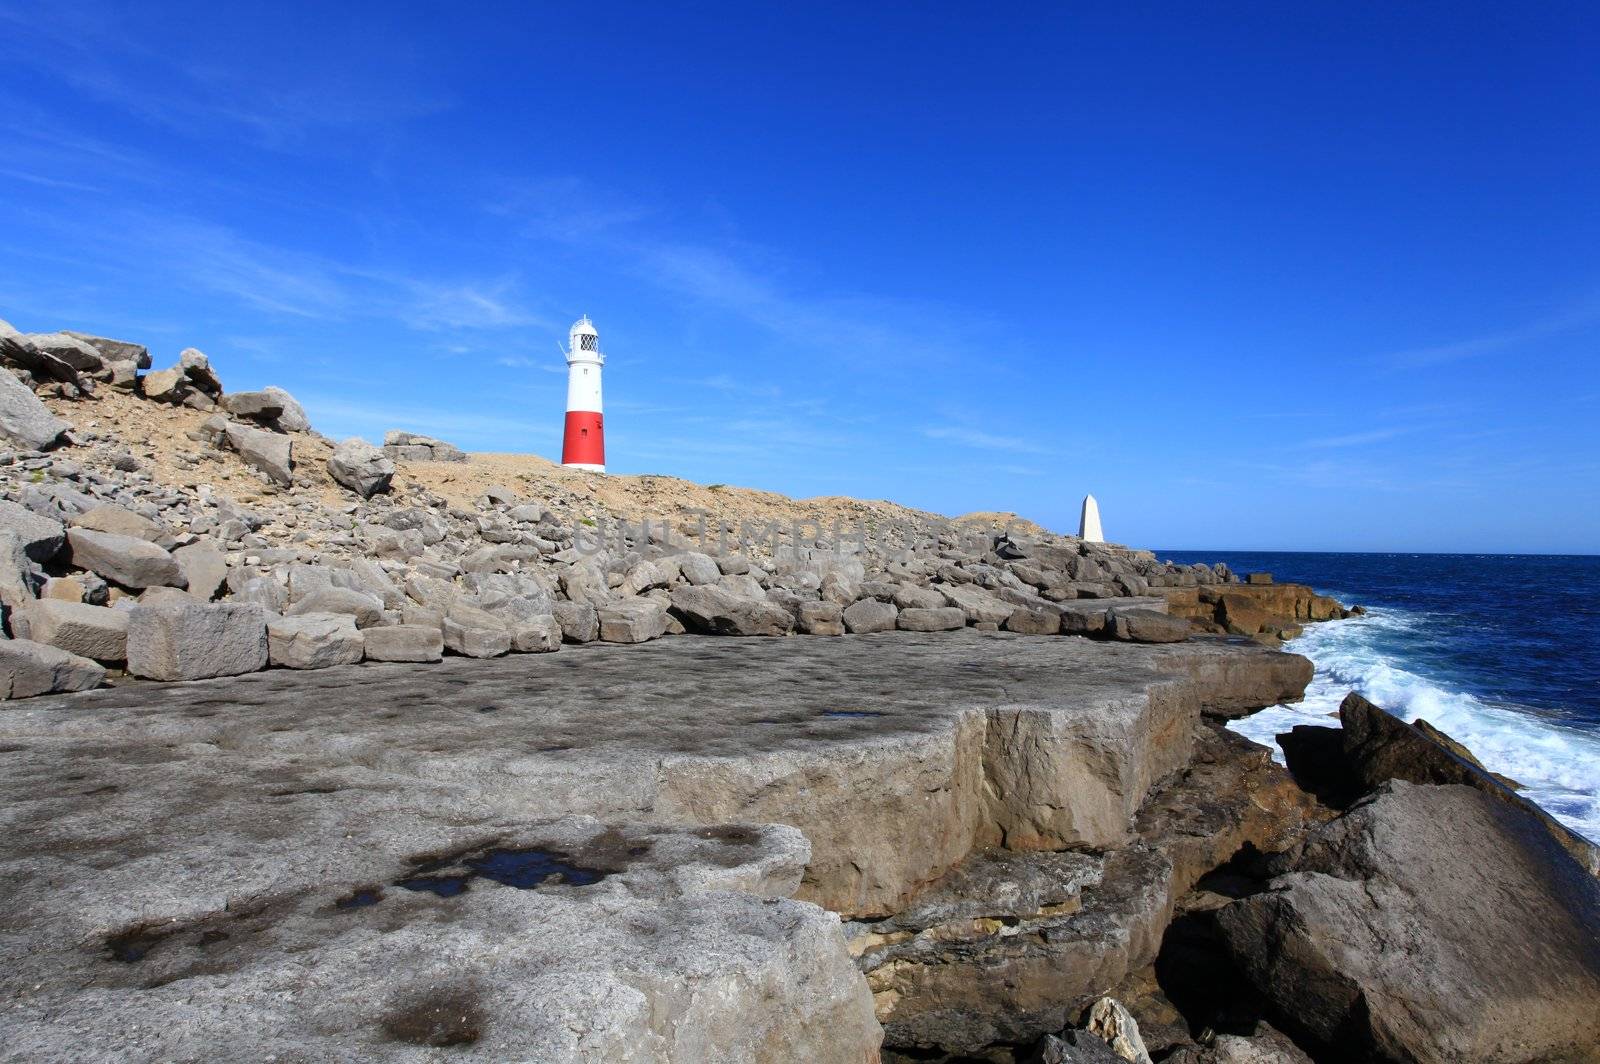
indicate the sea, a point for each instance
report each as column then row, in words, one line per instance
column 1501, row 651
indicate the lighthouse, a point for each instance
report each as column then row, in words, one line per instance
column 584, row 444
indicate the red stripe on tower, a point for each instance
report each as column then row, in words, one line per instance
column 584, row 443
column 583, row 446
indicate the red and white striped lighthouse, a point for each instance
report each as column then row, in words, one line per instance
column 584, row 445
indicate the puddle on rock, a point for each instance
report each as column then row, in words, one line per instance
column 359, row 898
column 524, row 868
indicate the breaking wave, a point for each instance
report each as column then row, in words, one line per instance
column 1557, row 764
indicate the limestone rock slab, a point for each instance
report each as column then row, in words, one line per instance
column 192, row 642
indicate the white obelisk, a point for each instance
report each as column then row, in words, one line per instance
column 1089, row 523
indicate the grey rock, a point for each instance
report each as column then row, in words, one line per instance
column 361, row 467
column 29, row 669
column 937, row 619
column 24, row 419
column 870, row 615
column 88, row 631
column 820, row 618
column 195, row 642
column 1113, row 1024
column 716, row 611
column 204, row 568
column 632, row 621
column 1378, row 746
column 1432, row 924
column 977, row 604
column 83, row 357
column 535, row 635
column 578, row 620
column 1146, row 626
column 165, row 385
column 293, row 417
column 270, row 452
column 1025, row 621
column 197, row 368
column 261, row 406
column 405, row 642
column 699, row 568
column 41, row 538
column 366, row 609
column 912, row 596
column 1073, row 1047
column 119, row 521
column 124, row 560
column 314, row 641
column 488, row 639
column 18, row 350
column 115, row 350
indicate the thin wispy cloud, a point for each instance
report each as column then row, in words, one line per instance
column 985, row 440
column 1356, row 439
column 320, row 80
column 1581, row 315
column 740, row 279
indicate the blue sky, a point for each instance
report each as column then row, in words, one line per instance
column 1258, row 276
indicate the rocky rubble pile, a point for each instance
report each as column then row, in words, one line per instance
column 341, row 562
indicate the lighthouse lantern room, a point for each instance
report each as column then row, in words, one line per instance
column 584, row 444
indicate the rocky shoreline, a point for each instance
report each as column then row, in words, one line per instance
column 966, row 794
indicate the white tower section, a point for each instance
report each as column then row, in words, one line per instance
column 1089, row 522
column 583, row 444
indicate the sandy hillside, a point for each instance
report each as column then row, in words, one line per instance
column 162, row 438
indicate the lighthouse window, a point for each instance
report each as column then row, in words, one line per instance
column 590, row 343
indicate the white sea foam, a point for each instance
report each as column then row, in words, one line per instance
column 1558, row 765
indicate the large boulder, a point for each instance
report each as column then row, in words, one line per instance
column 41, row 538
column 114, row 350
column 979, row 606
column 205, row 569
column 475, row 632
column 820, row 618
column 366, row 609
column 120, row 521
column 936, row 619
column 404, row 642
column 96, row 632
column 314, row 641
column 578, row 620
column 19, row 350
column 79, row 354
column 261, row 406
column 1373, row 746
column 1135, row 625
column 124, row 560
column 633, row 620
column 361, row 467
column 870, row 615
column 270, row 452
column 194, row 641
column 1427, row 924
column 24, row 419
column 197, row 369
column 28, row 669
column 698, row 568
column 706, row 608
column 293, row 417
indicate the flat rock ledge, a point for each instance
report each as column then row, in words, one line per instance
column 180, row 852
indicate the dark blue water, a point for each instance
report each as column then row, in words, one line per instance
column 1501, row 651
